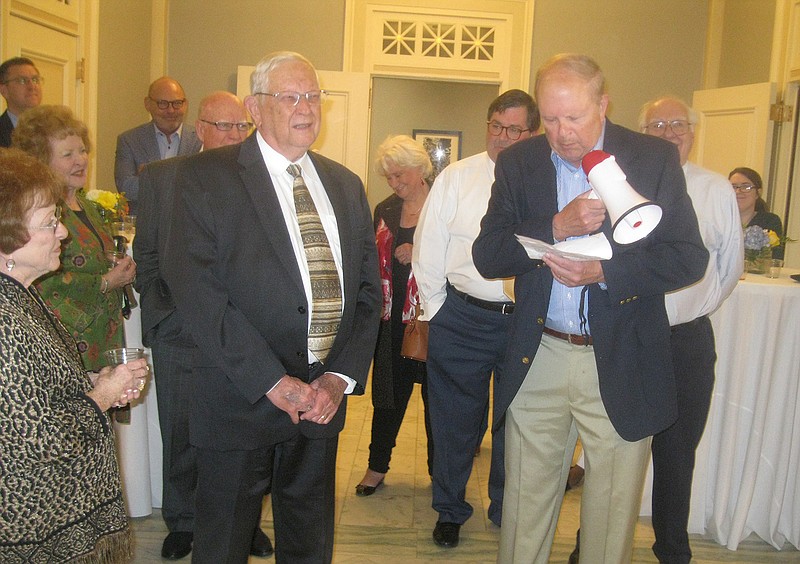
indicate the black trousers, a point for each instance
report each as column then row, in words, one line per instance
column 230, row 489
column 694, row 356
column 172, row 361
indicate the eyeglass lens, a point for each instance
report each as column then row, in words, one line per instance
column 25, row 81
column 659, row 128
column 742, row 187
column 512, row 131
column 164, row 104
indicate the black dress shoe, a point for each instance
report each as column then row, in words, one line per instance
column 261, row 545
column 446, row 534
column 575, row 557
column 363, row 490
column 177, row 545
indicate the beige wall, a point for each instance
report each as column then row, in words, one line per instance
column 209, row 38
column 123, row 76
column 645, row 48
column 746, row 42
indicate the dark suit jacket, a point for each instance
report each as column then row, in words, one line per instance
column 139, row 146
column 236, row 281
column 6, row 129
column 156, row 192
column 628, row 321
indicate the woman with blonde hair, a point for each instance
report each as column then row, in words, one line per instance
column 406, row 166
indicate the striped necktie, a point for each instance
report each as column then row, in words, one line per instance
column 326, row 292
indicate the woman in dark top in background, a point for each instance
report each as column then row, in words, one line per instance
column 406, row 166
column 747, row 184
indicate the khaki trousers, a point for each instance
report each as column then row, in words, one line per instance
column 559, row 401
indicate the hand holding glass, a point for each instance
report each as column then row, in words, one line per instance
column 115, row 357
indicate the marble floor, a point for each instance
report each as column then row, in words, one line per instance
column 394, row 525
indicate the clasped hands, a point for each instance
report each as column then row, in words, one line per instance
column 582, row 216
column 118, row 386
column 317, row 402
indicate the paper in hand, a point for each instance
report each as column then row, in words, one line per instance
column 594, row 247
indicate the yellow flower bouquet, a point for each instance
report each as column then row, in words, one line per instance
column 112, row 205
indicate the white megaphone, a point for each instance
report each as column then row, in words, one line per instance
column 632, row 215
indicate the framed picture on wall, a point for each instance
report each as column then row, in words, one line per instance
column 444, row 147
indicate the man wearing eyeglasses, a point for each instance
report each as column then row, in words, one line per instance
column 692, row 338
column 221, row 120
column 469, row 317
column 164, row 137
column 273, row 265
column 21, row 87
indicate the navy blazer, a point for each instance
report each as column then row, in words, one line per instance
column 627, row 320
column 6, row 129
column 139, row 146
column 234, row 277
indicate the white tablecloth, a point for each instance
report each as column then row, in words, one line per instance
column 139, row 443
column 747, row 474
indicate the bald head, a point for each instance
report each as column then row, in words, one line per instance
column 166, row 103
column 672, row 119
column 218, row 110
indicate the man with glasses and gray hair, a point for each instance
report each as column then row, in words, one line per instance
column 692, row 337
column 21, row 87
column 221, row 120
column 469, row 317
column 273, row 265
column 163, row 137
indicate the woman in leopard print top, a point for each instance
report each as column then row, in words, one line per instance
column 59, row 479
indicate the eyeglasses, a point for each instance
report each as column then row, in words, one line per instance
column 291, row 99
column 25, row 81
column 227, row 125
column 743, row 187
column 512, row 131
column 164, row 104
column 53, row 222
column 659, row 128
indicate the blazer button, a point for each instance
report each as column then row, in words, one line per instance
column 301, row 309
column 526, row 360
column 301, row 354
column 539, row 321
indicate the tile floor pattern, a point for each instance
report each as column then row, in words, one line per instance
column 394, row 525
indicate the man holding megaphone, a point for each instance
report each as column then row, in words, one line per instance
column 589, row 351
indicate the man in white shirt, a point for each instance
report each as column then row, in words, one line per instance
column 469, row 317
column 693, row 349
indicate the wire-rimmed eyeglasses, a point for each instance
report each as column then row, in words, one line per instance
column 659, row 128
column 25, row 80
column 164, row 104
column 228, row 125
column 512, row 131
column 53, row 224
column 743, row 187
column 289, row 98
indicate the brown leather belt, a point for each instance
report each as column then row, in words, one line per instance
column 570, row 338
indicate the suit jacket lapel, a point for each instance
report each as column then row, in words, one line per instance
column 258, row 184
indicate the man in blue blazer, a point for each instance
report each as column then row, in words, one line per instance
column 164, row 137
column 265, row 407
column 589, row 350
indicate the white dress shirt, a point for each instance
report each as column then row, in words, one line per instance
column 284, row 186
column 714, row 203
column 168, row 145
column 448, row 225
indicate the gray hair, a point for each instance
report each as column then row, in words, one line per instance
column 582, row 66
column 691, row 113
column 404, row 152
column 259, row 78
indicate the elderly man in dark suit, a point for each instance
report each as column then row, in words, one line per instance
column 589, row 351
column 164, row 137
column 272, row 263
column 221, row 120
column 21, row 87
